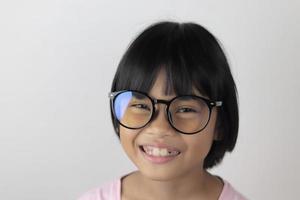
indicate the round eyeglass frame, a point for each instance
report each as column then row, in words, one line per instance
column 210, row 104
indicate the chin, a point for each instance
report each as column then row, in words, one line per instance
column 160, row 175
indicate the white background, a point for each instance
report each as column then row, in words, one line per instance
column 57, row 61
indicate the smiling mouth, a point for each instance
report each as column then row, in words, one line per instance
column 158, row 152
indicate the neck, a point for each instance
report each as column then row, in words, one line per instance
column 198, row 183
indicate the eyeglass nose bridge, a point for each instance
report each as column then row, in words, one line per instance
column 162, row 101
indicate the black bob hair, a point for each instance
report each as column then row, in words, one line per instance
column 191, row 57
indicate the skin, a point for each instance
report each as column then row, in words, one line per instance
column 181, row 178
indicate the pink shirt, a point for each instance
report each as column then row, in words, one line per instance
column 112, row 191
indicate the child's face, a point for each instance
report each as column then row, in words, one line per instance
column 159, row 137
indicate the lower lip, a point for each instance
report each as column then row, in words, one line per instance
column 158, row 160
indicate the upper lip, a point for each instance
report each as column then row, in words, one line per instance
column 161, row 145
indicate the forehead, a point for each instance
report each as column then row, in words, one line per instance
column 163, row 87
column 161, row 84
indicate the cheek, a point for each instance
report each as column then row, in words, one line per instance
column 199, row 145
column 127, row 138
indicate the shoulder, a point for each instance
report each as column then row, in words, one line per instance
column 108, row 191
column 230, row 193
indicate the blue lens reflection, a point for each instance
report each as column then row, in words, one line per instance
column 121, row 103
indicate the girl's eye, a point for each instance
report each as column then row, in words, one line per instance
column 141, row 106
column 185, row 110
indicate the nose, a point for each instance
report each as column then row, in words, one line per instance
column 159, row 124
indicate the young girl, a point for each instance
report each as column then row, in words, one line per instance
column 174, row 108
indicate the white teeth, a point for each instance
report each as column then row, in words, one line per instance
column 159, row 152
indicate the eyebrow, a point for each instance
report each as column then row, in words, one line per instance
column 138, row 96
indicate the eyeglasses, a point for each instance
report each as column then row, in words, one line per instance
column 187, row 114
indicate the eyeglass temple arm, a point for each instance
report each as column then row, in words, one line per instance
column 216, row 103
column 112, row 94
